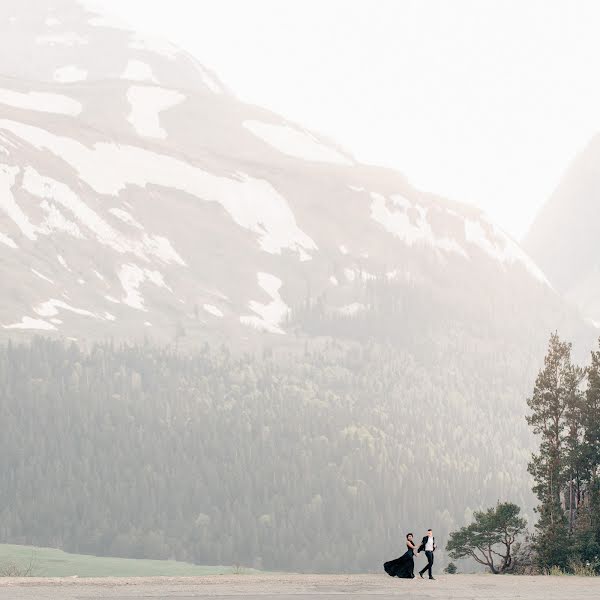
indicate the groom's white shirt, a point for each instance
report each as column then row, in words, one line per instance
column 429, row 544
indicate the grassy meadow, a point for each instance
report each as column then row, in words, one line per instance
column 49, row 562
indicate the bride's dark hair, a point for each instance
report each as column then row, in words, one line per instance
column 408, row 534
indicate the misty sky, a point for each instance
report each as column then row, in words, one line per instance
column 482, row 101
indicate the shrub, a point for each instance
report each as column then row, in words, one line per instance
column 451, row 569
column 583, row 569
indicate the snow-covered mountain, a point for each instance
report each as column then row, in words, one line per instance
column 138, row 196
column 565, row 237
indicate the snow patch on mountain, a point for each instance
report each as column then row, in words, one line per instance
column 402, row 202
column 63, row 262
column 62, row 39
column 209, row 81
column 29, row 323
column 108, row 168
column 9, row 205
column 6, row 144
column 51, row 308
column 146, row 104
column 101, row 17
column 42, row 276
column 125, row 217
column 131, row 277
column 149, row 245
column 154, row 44
column 70, row 74
column 41, row 102
column 500, row 246
column 293, row 142
column 8, row 241
column 213, row 310
column 56, row 221
column 271, row 314
column 400, row 224
column 136, row 70
column 160, row 247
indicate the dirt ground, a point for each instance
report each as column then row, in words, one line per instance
column 302, row 587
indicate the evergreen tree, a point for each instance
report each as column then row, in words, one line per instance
column 591, row 455
column 490, row 538
column 554, row 417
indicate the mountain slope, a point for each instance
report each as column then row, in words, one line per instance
column 140, row 198
column 564, row 238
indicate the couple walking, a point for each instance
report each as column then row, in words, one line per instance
column 405, row 565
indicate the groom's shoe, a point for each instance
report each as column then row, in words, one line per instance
column 432, row 578
column 420, row 575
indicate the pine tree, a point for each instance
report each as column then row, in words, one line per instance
column 576, row 464
column 591, row 420
column 554, row 417
column 491, row 538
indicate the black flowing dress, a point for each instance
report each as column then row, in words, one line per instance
column 404, row 566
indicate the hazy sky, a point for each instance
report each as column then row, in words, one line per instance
column 482, row 101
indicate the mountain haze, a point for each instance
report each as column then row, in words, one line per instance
column 564, row 238
column 256, row 349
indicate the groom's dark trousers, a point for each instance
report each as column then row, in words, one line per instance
column 429, row 556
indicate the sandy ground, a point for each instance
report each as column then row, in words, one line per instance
column 300, row 587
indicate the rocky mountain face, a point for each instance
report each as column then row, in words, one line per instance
column 139, row 197
column 565, row 237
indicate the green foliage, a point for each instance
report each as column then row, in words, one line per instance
column 555, row 418
column 451, row 569
column 490, row 537
column 286, row 461
column 555, row 571
column 591, row 446
column 565, row 469
column 575, row 566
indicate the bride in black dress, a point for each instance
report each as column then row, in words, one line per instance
column 404, row 566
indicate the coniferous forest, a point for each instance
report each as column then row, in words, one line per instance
column 565, row 416
column 307, row 461
column 310, row 461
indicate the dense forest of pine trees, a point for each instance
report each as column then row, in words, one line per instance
column 308, row 461
column 565, row 415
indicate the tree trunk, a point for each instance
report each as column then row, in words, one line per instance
column 571, row 506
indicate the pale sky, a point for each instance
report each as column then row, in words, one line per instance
column 482, row 101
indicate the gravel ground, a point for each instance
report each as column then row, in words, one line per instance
column 300, row 587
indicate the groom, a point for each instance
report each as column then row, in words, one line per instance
column 427, row 544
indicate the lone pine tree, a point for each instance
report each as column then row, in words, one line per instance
column 491, row 538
